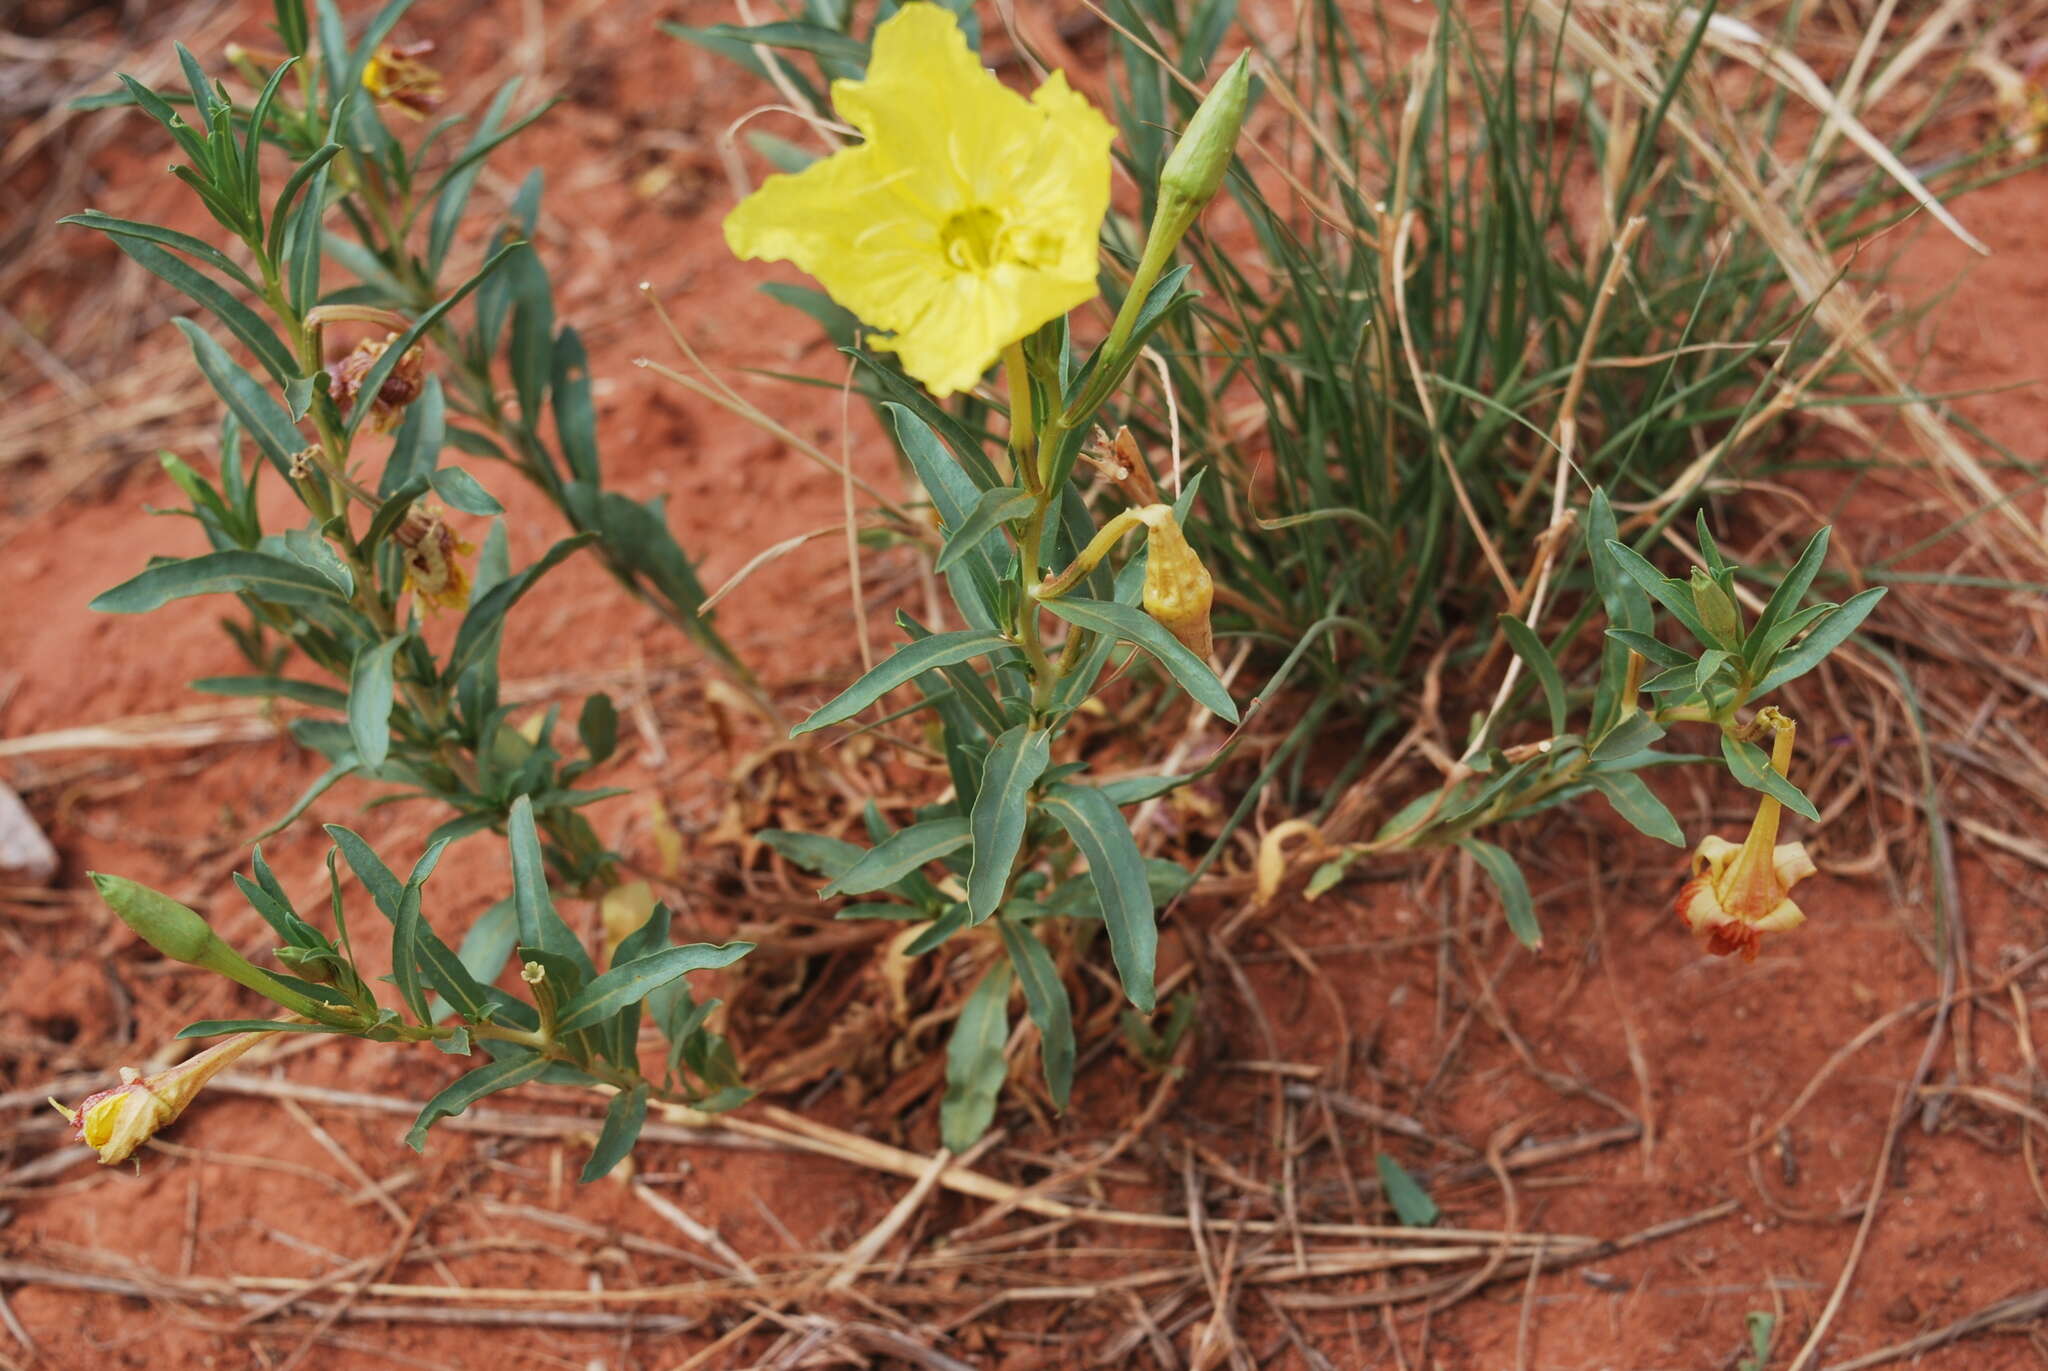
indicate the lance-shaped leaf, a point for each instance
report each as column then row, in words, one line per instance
column 994, row 509
column 904, row 665
column 1537, row 658
column 230, row 571
column 1824, row 637
column 1045, row 996
column 974, row 1061
column 623, row 1120
column 1136, row 626
column 370, row 686
column 539, row 925
column 1514, row 890
column 634, row 981
column 267, row 421
column 1001, row 806
column 1117, row 870
column 465, row 1091
column 1635, row 802
column 1751, row 765
column 899, row 854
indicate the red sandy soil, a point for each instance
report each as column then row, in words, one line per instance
column 1620, row 1006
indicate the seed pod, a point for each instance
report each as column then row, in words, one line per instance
column 1178, row 588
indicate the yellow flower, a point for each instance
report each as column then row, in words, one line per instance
column 117, row 1121
column 395, row 75
column 967, row 218
column 1739, row 892
column 433, row 560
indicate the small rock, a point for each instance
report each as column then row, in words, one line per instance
column 25, row 854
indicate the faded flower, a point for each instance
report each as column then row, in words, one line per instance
column 433, row 559
column 115, row 1122
column 398, row 390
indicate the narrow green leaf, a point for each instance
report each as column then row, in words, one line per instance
column 1750, row 765
column 1537, row 658
column 814, row 852
column 461, row 490
column 1001, row 806
column 575, row 412
column 994, row 509
column 230, row 571
column 899, row 854
column 370, row 686
column 344, row 765
column 539, row 925
column 1675, row 596
column 1117, row 870
column 1789, row 593
column 209, row 1028
column 1412, row 1204
column 479, row 627
column 975, row 1068
column 597, row 726
column 1824, row 637
column 273, row 687
column 267, row 421
column 1634, row 801
column 1046, row 997
column 634, row 981
column 197, row 248
column 516, row 1069
column 1134, row 625
column 1634, row 733
column 1655, row 652
column 904, row 665
column 1507, row 877
column 623, row 1120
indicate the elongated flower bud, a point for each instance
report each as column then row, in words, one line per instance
column 1200, row 160
column 1178, row 588
column 183, row 936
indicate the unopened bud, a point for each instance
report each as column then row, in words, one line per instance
column 183, row 936
column 1201, row 159
column 1717, row 612
column 1178, row 588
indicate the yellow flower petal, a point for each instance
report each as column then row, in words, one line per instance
column 969, row 217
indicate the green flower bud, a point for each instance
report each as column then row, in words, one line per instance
column 183, row 936
column 1717, row 612
column 158, row 920
column 1195, row 171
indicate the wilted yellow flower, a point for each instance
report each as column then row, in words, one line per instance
column 968, row 217
column 1178, row 588
column 117, row 1121
column 395, row 75
column 1739, row 892
column 400, row 388
column 433, row 559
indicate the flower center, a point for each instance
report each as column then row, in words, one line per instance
column 973, row 238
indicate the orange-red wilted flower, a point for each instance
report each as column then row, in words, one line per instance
column 1740, row 891
column 433, row 559
column 116, row 1121
column 395, row 75
column 399, row 389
